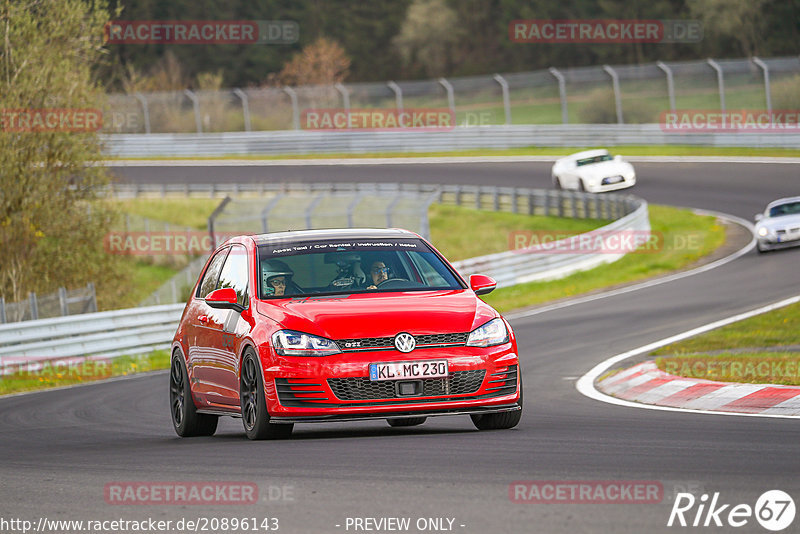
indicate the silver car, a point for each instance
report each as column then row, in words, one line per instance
column 779, row 225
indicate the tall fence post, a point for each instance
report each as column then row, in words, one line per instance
column 765, row 68
column 145, row 111
column 295, row 108
column 212, row 218
column 196, row 105
column 617, row 96
column 451, row 99
column 245, row 107
column 506, row 99
column 670, row 84
column 34, row 305
column 562, row 91
column 720, row 82
column 62, row 301
column 3, row 318
column 92, row 298
column 345, row 97
column 398, row 94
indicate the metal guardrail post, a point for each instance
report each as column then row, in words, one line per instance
column 720, row 82
column 670, row 83
column 62, row 301
column 451, row 99
column 145, row 111
column 514, row 207
column 34, row 305
column 477, row 197
column 765, row 68
column 398, row 94
column 562, row 91
column 196, row 105
column 245, row 107
column 3, row 318
column 506, row 99
column 617, row 95
column 295, row 108
column 495, row 199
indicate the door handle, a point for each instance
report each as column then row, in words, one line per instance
column 202, row 318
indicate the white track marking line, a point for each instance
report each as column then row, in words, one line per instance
column 585, row 385
column 656, row 281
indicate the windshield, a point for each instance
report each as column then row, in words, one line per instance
column 790, row 208
column 596, row 159
column 351, row 266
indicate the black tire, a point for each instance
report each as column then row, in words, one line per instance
column 185, row 419
column 255, row 417
column 581, row 186
column 557, row 182
column 406, row 421
column 499, row 421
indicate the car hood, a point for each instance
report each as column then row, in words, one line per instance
column 380, row 314
column 778, row 223
column 598, row 171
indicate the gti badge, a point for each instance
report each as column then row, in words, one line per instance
column 404, row 342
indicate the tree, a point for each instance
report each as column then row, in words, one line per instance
column 51, row 226
column 323, row 62
column 738, row 20
column 427, row 37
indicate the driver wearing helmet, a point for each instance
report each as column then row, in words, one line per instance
column 276, row 279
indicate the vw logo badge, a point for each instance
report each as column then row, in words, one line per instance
column 404, row 342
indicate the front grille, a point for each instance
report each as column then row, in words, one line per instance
column 387, row 343
column 503, row 381
column 355, row 389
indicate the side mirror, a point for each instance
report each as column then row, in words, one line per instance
column 758, row 216
column 224, row 299
column 481, row 284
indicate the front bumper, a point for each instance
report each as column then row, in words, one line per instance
column 337, row 388
column 599, row 187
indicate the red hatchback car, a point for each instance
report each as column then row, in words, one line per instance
column 339, row 325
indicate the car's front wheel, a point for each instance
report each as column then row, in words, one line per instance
column 406, row 421
column 498, row 421
column 185, row 419
column 557, row 182
column 255, row 416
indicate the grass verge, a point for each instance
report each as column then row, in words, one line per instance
column 28, row 377
column 749, row 351
column 685, row 238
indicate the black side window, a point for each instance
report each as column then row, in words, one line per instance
column 234, row 274
column 211, row 276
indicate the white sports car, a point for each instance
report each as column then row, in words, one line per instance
column 779, row 225
column 594, row 171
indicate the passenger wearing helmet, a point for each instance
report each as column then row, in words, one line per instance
column 276, row 279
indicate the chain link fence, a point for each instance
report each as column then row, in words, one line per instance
column 61, row 303
column 619, row 94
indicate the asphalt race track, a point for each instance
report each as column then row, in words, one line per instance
column 59, row 449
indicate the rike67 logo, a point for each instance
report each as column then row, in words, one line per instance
column 774, row 510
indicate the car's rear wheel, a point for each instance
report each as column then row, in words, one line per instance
column 255, row 416
column 499, row 421
column 406, row 421
column 185, row 419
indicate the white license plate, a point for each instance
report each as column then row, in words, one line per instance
column 403, row 370
column 614, row 180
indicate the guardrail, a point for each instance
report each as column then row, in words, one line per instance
column 141, row 330
column 461, row 138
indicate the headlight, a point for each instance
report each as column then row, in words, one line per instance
column 291, row 343
column 762, row 231
column 492, row 333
